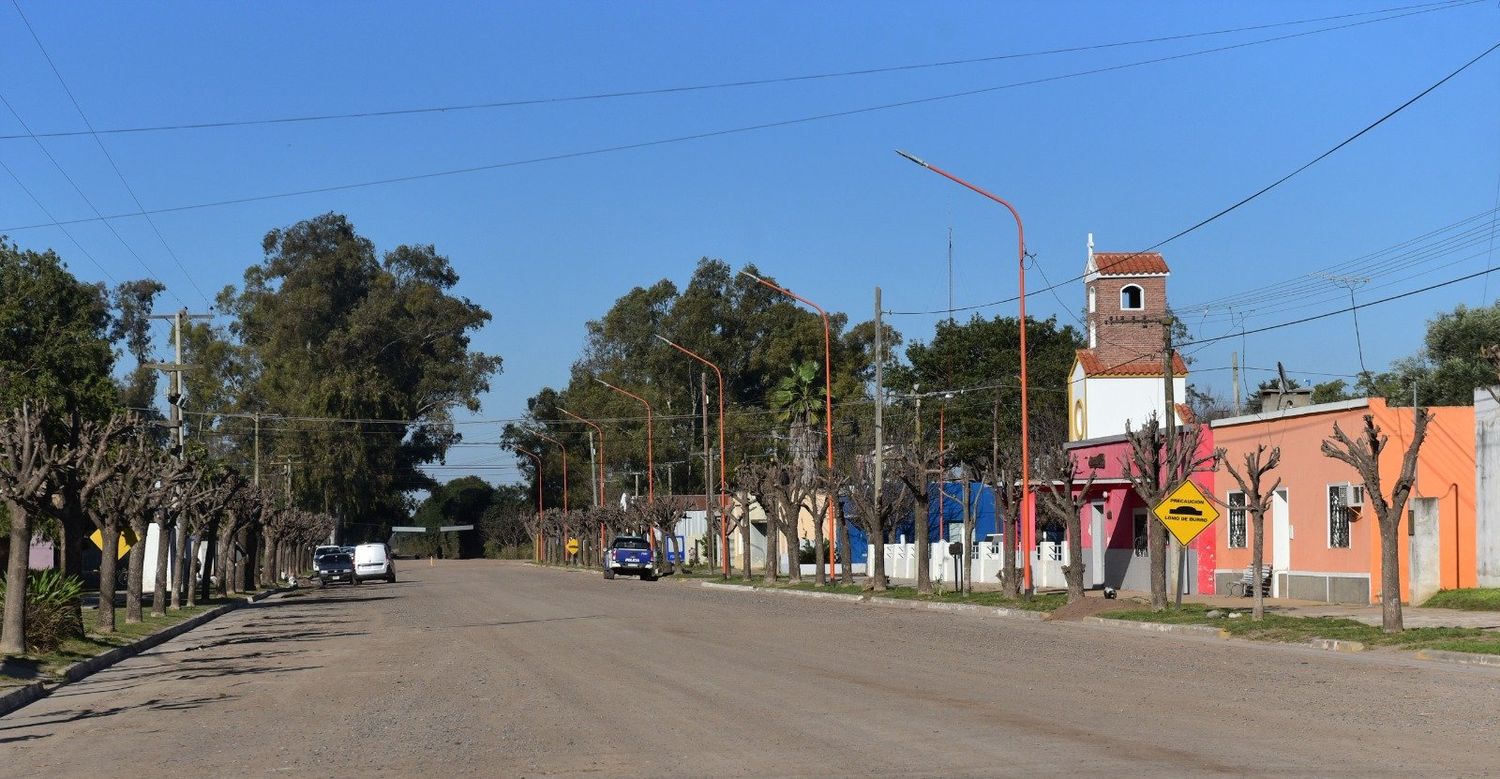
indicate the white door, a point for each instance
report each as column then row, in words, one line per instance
column 1281, row 540
column 1097, row 544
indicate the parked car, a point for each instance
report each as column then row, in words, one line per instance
column 335, row 567
column 373, row 561
column 631, row 556
column 323, row 550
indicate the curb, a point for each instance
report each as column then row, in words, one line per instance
column 1336, row 645
column 1458, row 658
column 1159, row 627
column 34, row 691
column 889, row 603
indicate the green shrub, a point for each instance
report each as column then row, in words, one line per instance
column 53, row 611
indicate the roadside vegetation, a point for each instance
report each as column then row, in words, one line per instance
column 1468, row 599
column 1280, row 627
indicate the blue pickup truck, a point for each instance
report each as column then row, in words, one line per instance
column 630, row 556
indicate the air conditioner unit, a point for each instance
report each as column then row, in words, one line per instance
column 1354, row 495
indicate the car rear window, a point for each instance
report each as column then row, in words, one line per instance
column 631, row 543
column 336, row 557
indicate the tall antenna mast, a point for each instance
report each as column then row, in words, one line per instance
column 1352, row 283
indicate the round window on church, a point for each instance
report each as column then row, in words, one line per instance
column 1078, row 419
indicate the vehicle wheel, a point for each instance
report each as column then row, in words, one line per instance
column 647, row 576
column 609, row 574
column 354, row 580
column 391, row 578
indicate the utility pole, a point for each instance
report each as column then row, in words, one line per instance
column 170, row 541
column 593, row 469
column 879, row 405
column 1171, row 444
column 1234, row 361
column 257, row 450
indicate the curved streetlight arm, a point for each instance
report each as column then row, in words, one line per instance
column 827, row 399
column 650, row 440
column 723, row 462
column 564, row 451
column 1028, row 526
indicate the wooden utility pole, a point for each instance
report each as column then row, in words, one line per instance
column 171, row 539
column 1171, row 447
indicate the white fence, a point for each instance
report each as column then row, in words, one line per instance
column 1047, row 563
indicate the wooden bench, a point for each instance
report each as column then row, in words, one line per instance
column 1245, row 587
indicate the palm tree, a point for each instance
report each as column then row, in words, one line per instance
column 798, row 402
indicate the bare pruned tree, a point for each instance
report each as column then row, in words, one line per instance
column 1063, row 499
column 877, row 516
column 1257, row 502
column 1364, row 456
column 1155, row 466
column 1002, row 472
column 915, row 468
column 756, row 480
column 28, row 460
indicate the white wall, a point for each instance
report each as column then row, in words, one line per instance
column 1487, row 487
column 148, row 564
column 1111, row 402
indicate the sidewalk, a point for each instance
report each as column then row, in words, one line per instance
column 1412, row 616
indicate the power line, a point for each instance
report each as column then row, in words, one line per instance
column 107, row 155
column 55, row 223
column 1243, row 201
column 1420, row 8
column 86, row 200
column 733, row 130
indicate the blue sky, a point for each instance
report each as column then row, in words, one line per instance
column 1132, row 155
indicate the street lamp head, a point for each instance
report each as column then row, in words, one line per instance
column 751, row 275
column 658, row 337
column 913, row 158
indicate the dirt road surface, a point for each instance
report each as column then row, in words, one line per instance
column 480, row 668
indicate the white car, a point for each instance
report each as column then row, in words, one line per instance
column 373, row 561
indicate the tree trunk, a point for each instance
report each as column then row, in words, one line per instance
column 268, row 565
column 922, row 522
column 772, row 553
column 179, row 562
column 1257, row 561
column 135, row 565
column 745, row 545
column 1073, row 571
column 1010, row 580
column 820, row 556
column 110, row 535
column 1156, row 541
column 192, row 567
column 794, row 552
column 1390, row 575
column 967, row 570
column 846, row 563
column 13, row 627
column 877, row 580
column 71, row 522
column 159, row 584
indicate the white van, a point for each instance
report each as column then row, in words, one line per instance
column 373, row 561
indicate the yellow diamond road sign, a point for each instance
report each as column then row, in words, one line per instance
column 1186, row 512
column 123, row 544
column 572, row 546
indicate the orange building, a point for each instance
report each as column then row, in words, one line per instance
column 1322, row 539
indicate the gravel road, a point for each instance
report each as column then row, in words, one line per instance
column 480, row 668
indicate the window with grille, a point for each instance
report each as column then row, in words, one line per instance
column 1338, row 517
column 1141, row 549
column 1237, row 534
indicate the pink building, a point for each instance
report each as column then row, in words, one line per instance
column 1115, row 521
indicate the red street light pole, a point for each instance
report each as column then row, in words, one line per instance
column 723, row 463
column 564, row 451
column 650, row 453
column 602, row 498
column 537, row 551
column 827, row 403
column 1028, row 530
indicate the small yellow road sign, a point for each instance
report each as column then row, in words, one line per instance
column 1186, row 512
column 126, row 540
column 572, row 546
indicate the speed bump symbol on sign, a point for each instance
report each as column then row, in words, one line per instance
column 572, row 546
column 1186, row 512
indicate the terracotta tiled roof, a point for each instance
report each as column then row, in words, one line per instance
column 1094, row 365
column 1185, row 413
column 1129, row 263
